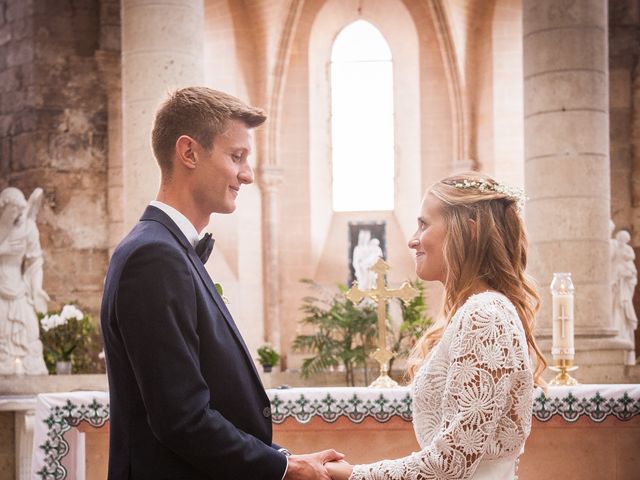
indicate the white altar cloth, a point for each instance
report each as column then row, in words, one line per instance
column 58, row 448
column 594, row 401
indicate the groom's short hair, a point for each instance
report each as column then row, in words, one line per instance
column 201, row 113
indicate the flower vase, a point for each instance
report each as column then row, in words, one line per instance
column 267, row 368
column 63, row 368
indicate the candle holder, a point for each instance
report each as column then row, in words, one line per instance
column 563, row 378
column 562, row 348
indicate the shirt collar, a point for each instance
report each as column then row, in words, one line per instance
column 182, row 222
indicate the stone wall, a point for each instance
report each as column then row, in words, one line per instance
column 16, row 79
column 53, row 132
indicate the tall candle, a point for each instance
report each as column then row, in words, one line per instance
column 562, row 347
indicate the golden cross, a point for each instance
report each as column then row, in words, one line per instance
column 380, row 294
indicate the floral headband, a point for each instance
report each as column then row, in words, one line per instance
column 515, row 194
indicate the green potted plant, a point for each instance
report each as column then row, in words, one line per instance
column 268, row 357
column 65, row 335
column 343, row 333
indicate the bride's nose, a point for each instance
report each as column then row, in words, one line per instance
column 414, row 242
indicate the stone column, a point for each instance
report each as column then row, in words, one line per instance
column 269, row 179
column 109, row 66
column 567, row 178
column 162, row 49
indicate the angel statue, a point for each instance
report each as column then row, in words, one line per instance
column 21, row 293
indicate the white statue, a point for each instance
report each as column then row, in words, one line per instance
column 21, row 293
column 365, row 254
column 624, row 278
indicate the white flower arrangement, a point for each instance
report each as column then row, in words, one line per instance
column 513, row 193
column 67, row 313
column 67, row 335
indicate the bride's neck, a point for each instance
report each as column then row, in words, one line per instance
column 477, row 287
column 480, row 286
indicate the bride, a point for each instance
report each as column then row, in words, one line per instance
column 473, row 379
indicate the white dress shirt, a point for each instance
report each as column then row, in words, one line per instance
column 182, row 222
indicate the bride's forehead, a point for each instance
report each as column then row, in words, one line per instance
column 431, row 206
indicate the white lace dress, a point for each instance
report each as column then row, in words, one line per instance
column 472, row 399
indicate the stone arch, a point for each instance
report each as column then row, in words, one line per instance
column 310, row 228
column 280, row 70
column 400, row 32
column 503, row 94
column 230, row 49
column 454, row 71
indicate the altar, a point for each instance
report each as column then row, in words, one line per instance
column 586, row 431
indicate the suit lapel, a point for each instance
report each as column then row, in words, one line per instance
column 155, row 214
column 204, row 275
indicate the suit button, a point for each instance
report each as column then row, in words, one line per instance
column 266, row 412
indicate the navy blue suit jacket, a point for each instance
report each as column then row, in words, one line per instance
column 186, row 400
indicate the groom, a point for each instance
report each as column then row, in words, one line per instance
column 186, row 400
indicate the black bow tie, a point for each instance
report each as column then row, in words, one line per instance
column 204, row 247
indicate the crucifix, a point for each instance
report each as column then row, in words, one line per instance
column 380, row 294
column 563, row 318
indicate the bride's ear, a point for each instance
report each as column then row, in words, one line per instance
column 473, row 228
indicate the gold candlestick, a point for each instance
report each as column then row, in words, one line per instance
column 380, row 295
column 563, row 378
column 562, row 348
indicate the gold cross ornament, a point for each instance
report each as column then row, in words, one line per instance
column 380, row 295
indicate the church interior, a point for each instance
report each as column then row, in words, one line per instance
column 368, row 103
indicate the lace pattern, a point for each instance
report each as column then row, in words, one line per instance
column 472, row 397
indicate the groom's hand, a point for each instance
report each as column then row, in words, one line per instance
column 311, row 466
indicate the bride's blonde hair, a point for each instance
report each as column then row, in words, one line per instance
column 497, row 254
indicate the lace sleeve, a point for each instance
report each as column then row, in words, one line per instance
column 483, row 364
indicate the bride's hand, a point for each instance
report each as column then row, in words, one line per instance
column 339, row 470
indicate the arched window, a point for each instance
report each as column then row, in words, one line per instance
column 362, row 120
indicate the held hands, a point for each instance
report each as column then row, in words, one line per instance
column 312, row 466
column 340, row 470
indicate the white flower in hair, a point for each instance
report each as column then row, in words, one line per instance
column 515, row 194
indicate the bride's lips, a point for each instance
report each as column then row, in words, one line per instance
column 235, row 190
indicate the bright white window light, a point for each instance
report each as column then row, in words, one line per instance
column 362, row 120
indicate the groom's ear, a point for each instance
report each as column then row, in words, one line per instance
column 185, row 152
